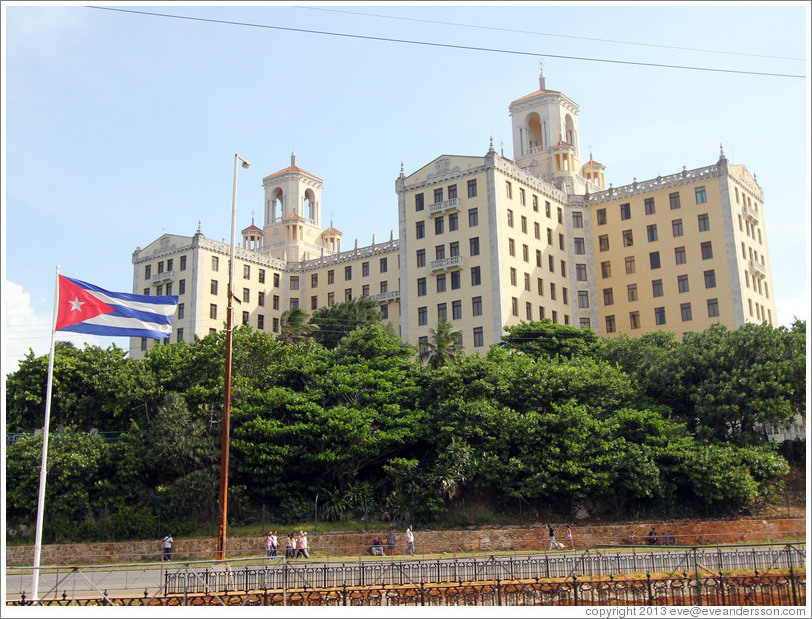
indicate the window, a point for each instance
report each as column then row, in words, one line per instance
column 525, row 253
column 347, row 295
column 608, row 296
column 682, row 283
column 651, row 233
column 685, row 312
column 707, row 250
column 547, row 208
column 473, row 217
column 535, row 203
column 180, row 334
column 215, row 263
column 512, row 276
column 580, row 248
column 262, row 276
column 584, row 323
column 169, row 289
column 554, row 316
column 538, row 257
column 710, row 279
column 673, row 200
column 649, row 206
column 420, row 229
column 524, row 224
column 421, row 258
column 453, row 222
column 704, row 222
column 456, row 310
column 628, row 238
column 261, row 299
column 454, row 249
column 442, row 311
column 161, row 266
column 246, row 271
column 631, row 292
column 528, row 310
column 527, row 281
column 603, row 242
column 275, row 302
column 245, row 316
column 180, row 310
column 552, row 291
column 580, row 272
column 577, row 219
column 563, row 268
column 476, row 278
column 159, row 290
column 606, row 269
column 508, row 189
column 701, row 196
column 601, row 216
column 510, row 218
column 476, row 306
column 625, row 211
column 439, row 225
column 452, row 192
column 260, row 322
column 676, row 227
column 549, row 236
column 439, row 252
column 438, row 195
column 276, row 277
column 419, row 202
column 474, row 246
column 659, row 315
column 365, row 269
column 182, row 286
column 511, row 247
column 441, row 282
column 347, row 273
column 630, row 265
column 521, row 196
column 610, row 324
column 479, row 339
column 560, row 215
column 656, row 287
column 583, row 299
column 183, row 263
column 551, row 264
column 679, row 255
column 713, row 308
column 331, row 299
column 421, row 286
column 422, row 315
column 169, row 264
column 634, row 320
column 294, row 282
column 472, row 188
column 514, row 306
column 246, row 295
column 536, row 230
column 654, row 259
column 214, row 286
column 384, row 287
column 331, row 276
column 213, row 311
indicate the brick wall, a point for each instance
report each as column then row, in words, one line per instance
column 482, row 540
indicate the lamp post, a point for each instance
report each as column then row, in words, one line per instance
column 221, row 532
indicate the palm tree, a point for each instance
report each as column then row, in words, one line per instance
column 294, row 328
column 443, row 345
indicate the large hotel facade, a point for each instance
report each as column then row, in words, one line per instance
column 488, row 242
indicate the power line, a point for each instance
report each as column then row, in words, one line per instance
column 446, row 45
column 547, row 34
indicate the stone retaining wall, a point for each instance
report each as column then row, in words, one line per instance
column 324, row 545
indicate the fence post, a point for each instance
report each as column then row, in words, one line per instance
column 722, row 587
column 648, row 586
column 422, row 593
column 498, row 592
column 698, row 584
column 792, row 576
column 575, row 589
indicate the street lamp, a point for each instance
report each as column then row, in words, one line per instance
column 221, row 532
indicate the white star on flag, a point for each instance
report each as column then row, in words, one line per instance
column 76, row 305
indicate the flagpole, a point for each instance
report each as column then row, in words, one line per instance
column 221, row 529
column 44, row 467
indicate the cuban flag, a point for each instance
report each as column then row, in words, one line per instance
column 85, row 308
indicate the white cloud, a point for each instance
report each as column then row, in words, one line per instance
column 25, row 328
column 789, row 309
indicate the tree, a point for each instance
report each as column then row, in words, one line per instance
column 336, row 322
column 443, row 345
column 294, row 329
column 545, row 339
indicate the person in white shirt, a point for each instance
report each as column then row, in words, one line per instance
column 168, row 548
column 410, row 540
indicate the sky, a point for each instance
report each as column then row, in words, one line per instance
column 119, row 126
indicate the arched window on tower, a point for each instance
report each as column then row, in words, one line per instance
column 310, row 204
column 276, row 205
column 569, row 128
column 534, row 134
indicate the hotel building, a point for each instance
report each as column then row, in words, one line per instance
column 488, row 242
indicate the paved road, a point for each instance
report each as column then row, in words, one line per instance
column 148, row 580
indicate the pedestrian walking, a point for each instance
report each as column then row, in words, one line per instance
column 570, row 540
column 410, row 540
column 551, row 533
column 168, row 541
column 390, row 542
column 301, row 546
column 271, row 544
column 290, row 546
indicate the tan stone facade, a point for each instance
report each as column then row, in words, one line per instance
column 488, row 242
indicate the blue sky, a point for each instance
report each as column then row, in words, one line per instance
column 118, row 127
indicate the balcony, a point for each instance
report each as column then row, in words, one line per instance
column 452, row 204
column 750, row 213
column 165, row 276
column 758, row 268
column 386, row 296
column 446, row 264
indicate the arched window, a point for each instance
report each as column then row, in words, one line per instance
column 276, row 205
column 535, row 137
column 569, row 128
column 310, row 205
